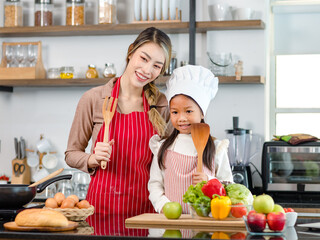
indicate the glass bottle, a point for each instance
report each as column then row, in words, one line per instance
column 13, row 13
column 43, row 13
column 75, row 12
column 107, row 11
column 66, row 72
column 109, row 70
column 92, row 72
column 173, row 63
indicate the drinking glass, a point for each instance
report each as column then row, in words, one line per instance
column 10, row 55
column 65, row 187
column 81, row 182
column 32, row 55
column 21, row 55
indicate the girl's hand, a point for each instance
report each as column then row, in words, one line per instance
column 102, row 153
column 199, row 177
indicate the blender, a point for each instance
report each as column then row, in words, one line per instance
column 239, row 153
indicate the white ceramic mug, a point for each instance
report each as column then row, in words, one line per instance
column 243, row 14
column 219, row 12
column 43, row 145
column 39, row 174
column 137, row 10
column 33, row 159
column 49, row 161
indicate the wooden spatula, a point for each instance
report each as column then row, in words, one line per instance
column 200, row 134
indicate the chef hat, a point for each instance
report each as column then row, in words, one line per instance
column 196, row 82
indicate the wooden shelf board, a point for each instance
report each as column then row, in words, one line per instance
column 244, row 80
column 53, row 82
column 125, row 29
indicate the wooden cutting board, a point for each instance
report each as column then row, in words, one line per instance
column 12, row 226
column 156, row 220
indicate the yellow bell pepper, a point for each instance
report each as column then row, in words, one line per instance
column 220, row 235
column 220, row 206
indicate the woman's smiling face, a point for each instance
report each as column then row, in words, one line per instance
column 145, row 64
column 183, row 112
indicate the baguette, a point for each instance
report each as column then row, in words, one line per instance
column 41, row 218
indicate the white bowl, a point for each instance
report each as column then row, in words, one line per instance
column 291, row 218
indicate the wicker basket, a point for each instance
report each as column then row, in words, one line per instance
column 74, row 214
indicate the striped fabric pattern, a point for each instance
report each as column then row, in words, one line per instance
column 120, row 191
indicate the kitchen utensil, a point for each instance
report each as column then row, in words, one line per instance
column 49, row 161
column 17, row 195
column 43, row 145
column 16, row 146
column 33, row 159
column 47, row 177
column 221, row 63
column 200, row 134
column 14, row 227
column 242, row 14
column 219, row 12
column 18, row 169
column 107, row 116
column 22, row 148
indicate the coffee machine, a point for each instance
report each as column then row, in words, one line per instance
column 239, row 153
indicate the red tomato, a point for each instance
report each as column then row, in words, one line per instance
column 238, row 212
column 290, row 210
column 238, row 235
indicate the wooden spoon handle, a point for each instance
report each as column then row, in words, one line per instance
column 199, row 165
column 47, row 177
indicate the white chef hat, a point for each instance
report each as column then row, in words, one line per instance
column 196, row 82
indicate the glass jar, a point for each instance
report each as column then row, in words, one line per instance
column 173, row 63
column 53, row 73
column 109, row 70
column 43, row 13
column 75, row 12
column 92, row 72
column 66, row 72
column 13, row 13
column 107, row 11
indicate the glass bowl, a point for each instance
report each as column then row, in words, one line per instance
column 266, row 231
column 237, row 211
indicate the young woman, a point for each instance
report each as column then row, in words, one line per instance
column 189, row 92
column 120, row 191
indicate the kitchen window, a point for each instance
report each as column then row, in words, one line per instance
column 294, row 64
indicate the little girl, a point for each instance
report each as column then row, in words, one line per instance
column 189, row 92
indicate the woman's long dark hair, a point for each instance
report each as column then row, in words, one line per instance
column 208, row 153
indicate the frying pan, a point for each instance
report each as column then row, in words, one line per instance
column 17, row 195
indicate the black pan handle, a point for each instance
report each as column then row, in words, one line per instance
column 43, row 185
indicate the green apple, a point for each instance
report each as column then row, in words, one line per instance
column 278, row 208
column 172, row 234
column 263, row 204
column 172, row 210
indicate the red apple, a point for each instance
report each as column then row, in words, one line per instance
column 276, row 221
column 256, row 222
column 238, row 211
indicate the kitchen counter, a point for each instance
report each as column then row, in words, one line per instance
column 85, row 231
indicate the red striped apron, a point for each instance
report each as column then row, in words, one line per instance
column 120, row 191
column 178, row 176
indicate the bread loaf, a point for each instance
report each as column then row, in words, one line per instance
column 41, row 218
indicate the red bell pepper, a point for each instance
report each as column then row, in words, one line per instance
column 213, row 186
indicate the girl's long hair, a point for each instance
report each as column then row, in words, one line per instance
column 152, row 93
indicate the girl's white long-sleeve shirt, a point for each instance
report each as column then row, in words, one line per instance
column 184, row 145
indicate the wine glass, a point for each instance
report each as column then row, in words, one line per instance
column 32, row 55
column 10, row 55
column 21, row 55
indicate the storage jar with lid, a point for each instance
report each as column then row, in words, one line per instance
column 43, row 12
column 13, row 13
column 107, row 11
column 109, row 70
column 75, row 12
column 92, row 72
column 53, row 73
column 66, row 72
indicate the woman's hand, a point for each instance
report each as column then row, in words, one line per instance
column 199, row 177
column 102, row 153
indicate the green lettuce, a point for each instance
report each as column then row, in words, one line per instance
column 239, row 193
column 193, row 193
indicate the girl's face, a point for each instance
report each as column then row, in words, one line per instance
column 145, row 64
column 183, row 112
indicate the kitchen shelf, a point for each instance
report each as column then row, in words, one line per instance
column 126, row 29
column 78, row 82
